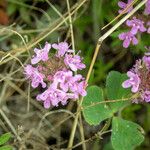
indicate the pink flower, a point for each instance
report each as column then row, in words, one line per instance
column 133, row 82
column 35, row 76
column 136, row 25
column 139, row 80
column 128, row 37
column 124, row 6
column 76, row 86
column 62, row 78
column 81, row 88
column 147, row 8
column 67, row 82
column 28, row 71
column 61, row 48
column 41, row 54
column 63, row 84
column 74, row 62
column 51, row 97
column 146, row 96
column 146, row 60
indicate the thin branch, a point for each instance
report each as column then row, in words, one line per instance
column 71, row 26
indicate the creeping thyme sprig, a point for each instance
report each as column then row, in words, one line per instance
column 56, row 74
column 139, row 79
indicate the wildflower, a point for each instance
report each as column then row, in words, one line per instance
column 55, row 72
column 139, row 80
column 74, row 62
column 28, row 71
column 75, row 84
column 41, row 54
column 133, row 82
column 67, row 82
column 147, row 8
column 51, row 97
column 128, row 37
column 146, row 60
column 136, row 24
column 81, row 88
column 123, row 6
column 146, row 96
column 35, row 76
column 62, row 78
column 61, row 48
column 61, row 90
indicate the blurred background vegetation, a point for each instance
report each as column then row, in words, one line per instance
column 25, row 24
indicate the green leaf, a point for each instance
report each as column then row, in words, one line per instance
column 126, row 135
column 7, row 147
column 108, row 146
column 98, row 112
column 24, row 13
column 115, row 91
column 4, row 138
column 11, row 8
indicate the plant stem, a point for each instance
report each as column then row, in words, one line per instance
column 82, row 132
column 80, row 102
column 71, row 26
column 73, row 47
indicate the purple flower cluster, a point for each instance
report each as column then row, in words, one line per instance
column 56, row 74
column 136, row 25
column 139, row 79
column 147, row 8
column 124, row 6
column 127, row 38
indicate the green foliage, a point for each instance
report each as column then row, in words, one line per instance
column 94, row 104
column 24, row 10
column 100, row 75
column 126, row 135
column 25, row 14
column 95, row 110
column 108, row 146
column 11, row 8
column 115, row 91
column 98, row 112
column 129, row 113
column 3, row 139
column 6, row 147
